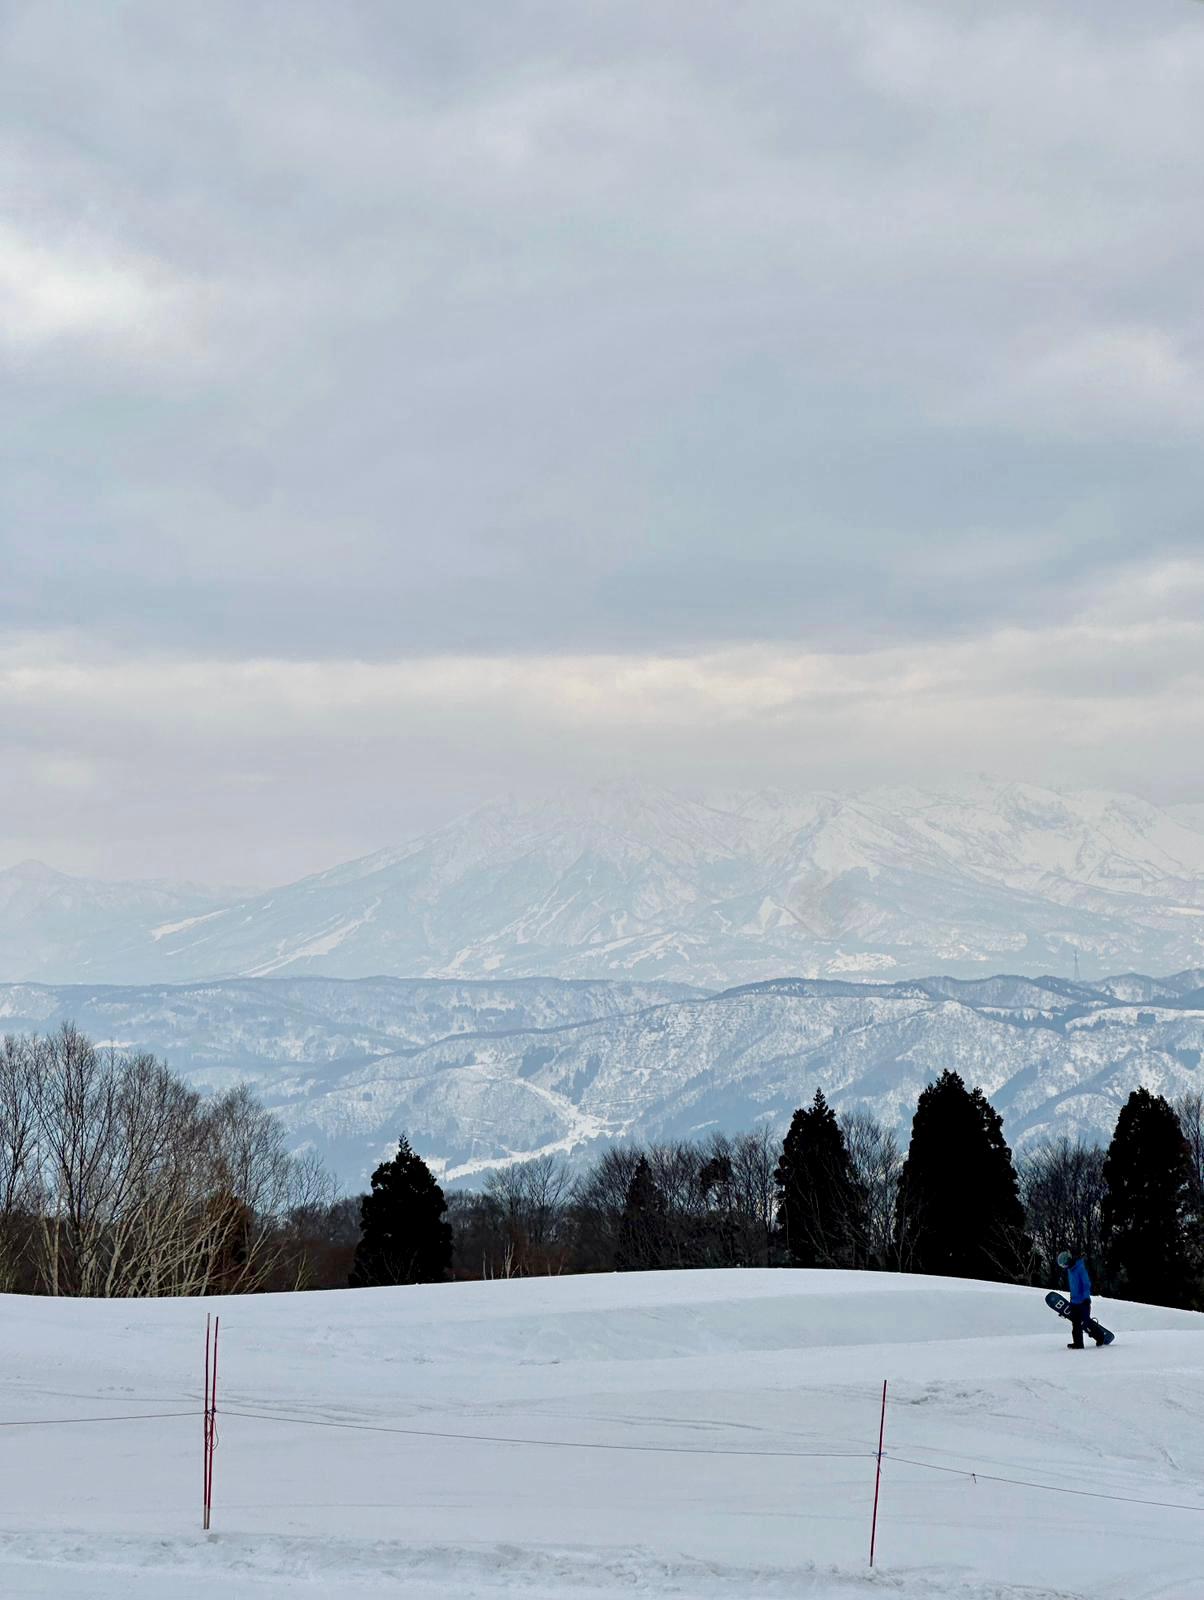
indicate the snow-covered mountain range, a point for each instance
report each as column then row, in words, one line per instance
column 481, row 1073
column 630, row 882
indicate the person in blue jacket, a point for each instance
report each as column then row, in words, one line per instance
column 1080, row 1295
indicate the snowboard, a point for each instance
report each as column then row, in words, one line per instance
column 1093, row 1329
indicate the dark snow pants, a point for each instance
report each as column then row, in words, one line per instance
column 1079, row 1314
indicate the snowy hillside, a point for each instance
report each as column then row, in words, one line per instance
column 731, row 1060
column 244, row 1024
column 1191, row 815
column 481, row 1073
column 696, row 1435
column 50, row 922
column 626, row 881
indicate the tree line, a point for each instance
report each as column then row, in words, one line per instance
column 116, row 1178
column 839, row 1191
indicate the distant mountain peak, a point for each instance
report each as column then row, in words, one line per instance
column 625, row 879
column 31, row 871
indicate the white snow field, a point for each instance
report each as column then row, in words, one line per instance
column 679, row 1434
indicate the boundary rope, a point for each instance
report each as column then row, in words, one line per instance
column 637, row 1449
column 133, row 1416
column 696, row 1450
column 552, row 1444
column 1049, row 1488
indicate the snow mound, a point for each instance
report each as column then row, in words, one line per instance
column 685, row 1434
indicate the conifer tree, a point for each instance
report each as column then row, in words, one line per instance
column 1148, row 1174
column 959, row 1205
column 821, row 1205
column 643, row 1228
column 404, row 1238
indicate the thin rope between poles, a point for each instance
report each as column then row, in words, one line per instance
column 694, row 1450
column 133, row 1416
column 551, row 1444
column 639, row 1449
column 1049, row 1488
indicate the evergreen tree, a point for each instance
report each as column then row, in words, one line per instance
column 1148, row 1204
column 643, row 1227
column 821, row 1205
column 959, row 1206
column 404, row 1238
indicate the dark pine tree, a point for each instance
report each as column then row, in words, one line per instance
column 643, row 1228
column 821, row 1205
column 404, row 1237
column 959, row 1208
column 1148, row 1204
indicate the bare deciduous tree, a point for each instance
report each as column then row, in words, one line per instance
column 18, row 1131
column 128, row 1182
column 754, row 1159
column 1189, row 1108
column 1062, row 1190
column 877, row 1163
column 528, row 1204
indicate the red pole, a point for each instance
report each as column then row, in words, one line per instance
column 217, row 1328
column 878, row 1477
column 205, row 1435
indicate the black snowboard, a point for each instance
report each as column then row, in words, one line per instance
column 1091, row 1327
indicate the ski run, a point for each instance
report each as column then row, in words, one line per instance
column 677, row 1434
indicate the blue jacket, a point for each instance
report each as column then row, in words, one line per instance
column 1080, row 1283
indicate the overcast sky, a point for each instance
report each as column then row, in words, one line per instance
column 406, row 402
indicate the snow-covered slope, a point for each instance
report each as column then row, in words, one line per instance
column 244, row 1025
column 696, row 1435
column 1190, row 814
column 735, row 1059
column 482, row 1073
column 635, row 882
column 50, row 922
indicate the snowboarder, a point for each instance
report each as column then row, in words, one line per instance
column 1079, row 1280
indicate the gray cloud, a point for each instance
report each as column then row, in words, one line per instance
column 563, row 335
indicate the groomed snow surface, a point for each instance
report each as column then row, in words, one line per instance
column 690, row 1434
